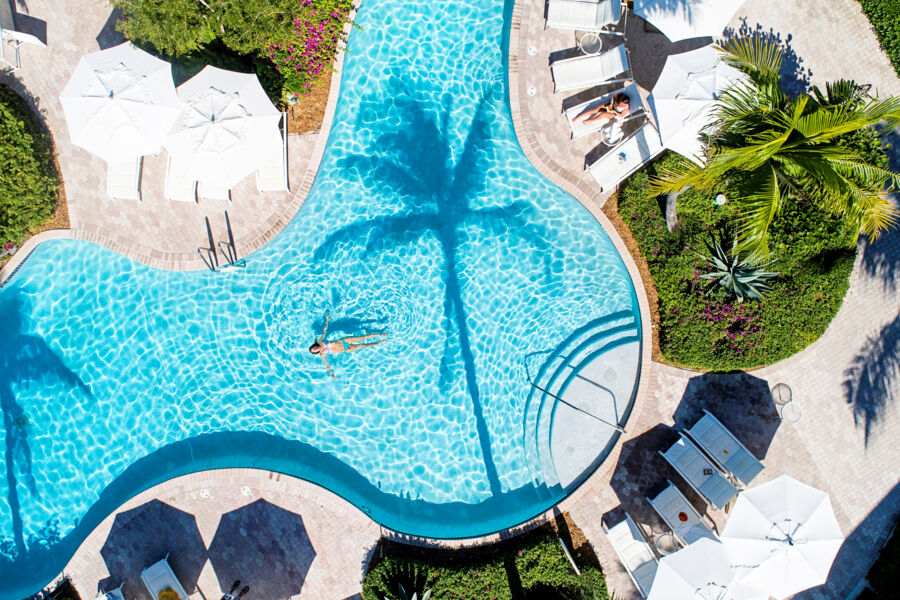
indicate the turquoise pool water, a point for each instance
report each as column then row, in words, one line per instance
column 425, row 221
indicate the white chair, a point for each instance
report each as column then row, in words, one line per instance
column 159, row 576
column 9, row 36
column 700, row 473
column 583, row 15
column 627, row 157
column 123, row 179
column 582, row 128
column 272, row 175
column 634, row 553
column 213, row 192
column 585, row 71
column 681, row 516
column 115, row 594
column 724, row 448
column 179, row 186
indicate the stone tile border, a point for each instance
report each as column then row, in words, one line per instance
column 22, row 254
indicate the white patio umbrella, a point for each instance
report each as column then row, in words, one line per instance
column 785, row 533
column 684, row 97
column 227, row 128
column 120, row 103
column 700, row 571
column 682, row 19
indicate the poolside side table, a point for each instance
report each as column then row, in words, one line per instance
column 791, row 413
column 590, row 43
column 783, row 397
column 666, row 543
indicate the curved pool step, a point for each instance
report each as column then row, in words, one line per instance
column 573, row 355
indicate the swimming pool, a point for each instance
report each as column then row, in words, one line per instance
column 426, row 221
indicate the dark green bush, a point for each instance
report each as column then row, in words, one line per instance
column 885, row 18
column 536, row 567
column 699, row 327
column 28, row 180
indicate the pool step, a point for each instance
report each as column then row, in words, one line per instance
column 556, row 373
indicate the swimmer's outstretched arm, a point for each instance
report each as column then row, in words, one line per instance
column 324, row 331
column 327, row 366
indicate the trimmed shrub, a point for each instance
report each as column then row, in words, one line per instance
column 700, row 326
column 534, row 567
column 885, row 18
column 28, row 180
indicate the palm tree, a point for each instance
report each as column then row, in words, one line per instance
column 769, row 146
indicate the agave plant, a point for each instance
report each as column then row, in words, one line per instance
column 742, row 278
column 403, row 596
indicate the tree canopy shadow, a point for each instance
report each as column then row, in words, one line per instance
column 264, row 546
column 435, row 189
column 740, row 401
column 144, row 535
column 872, row 382
column 795, row 75
column 25, row 359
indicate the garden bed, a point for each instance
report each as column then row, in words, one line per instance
column 885, row 18
column 31, row 197
column 532, row 565
column 698, row 327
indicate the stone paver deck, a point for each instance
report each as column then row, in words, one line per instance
column 284, row 537
column 156, row 231
column 846, row 383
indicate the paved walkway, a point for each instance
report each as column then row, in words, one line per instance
column 846, row 383
column 156, row 231
column 282, row 536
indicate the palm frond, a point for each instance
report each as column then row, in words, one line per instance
column 761, row 199
column 756, row 56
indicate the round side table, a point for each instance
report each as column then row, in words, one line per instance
column 791, row 413
column 666, row 544
column 590, row 43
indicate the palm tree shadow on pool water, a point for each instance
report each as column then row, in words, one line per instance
column 24, row 359
column 434, row 195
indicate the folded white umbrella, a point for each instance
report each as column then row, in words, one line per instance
column 682, row 19
column 785, row 534
column 684, row 98
column 120, row 103
column 700, row 571
column 228, row 127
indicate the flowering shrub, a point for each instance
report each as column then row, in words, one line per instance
column 698, row 325
column 317, row 30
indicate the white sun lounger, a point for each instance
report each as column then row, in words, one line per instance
column 115, row 594
column 724, row 448
column 627, row 157
column 179, row 186
column 585, row 71
column 583, row 15
column 160, row 576
column 582, row 128
column 213, row 192
column 700, row 473
column 123, row 179
column 12, row 38
column 669, row 504
column 272, row 175
column 634, row 552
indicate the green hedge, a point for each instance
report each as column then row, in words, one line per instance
column 531, row 567
column 28, row 181
column 885, row 18
column 699, row 327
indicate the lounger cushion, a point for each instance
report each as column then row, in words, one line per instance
column 583, row 15
column 585, row 71
column 687, row 459
column 634, row 552
column 627, row 157
column 725, row 448
column 669, row 504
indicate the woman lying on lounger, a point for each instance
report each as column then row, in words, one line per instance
column 347, row 344
column 619, row 107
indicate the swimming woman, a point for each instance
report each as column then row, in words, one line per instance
column 619, row 107
column 348, row 344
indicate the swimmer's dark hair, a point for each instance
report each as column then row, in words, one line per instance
column 621, row 98
column 314, row 348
